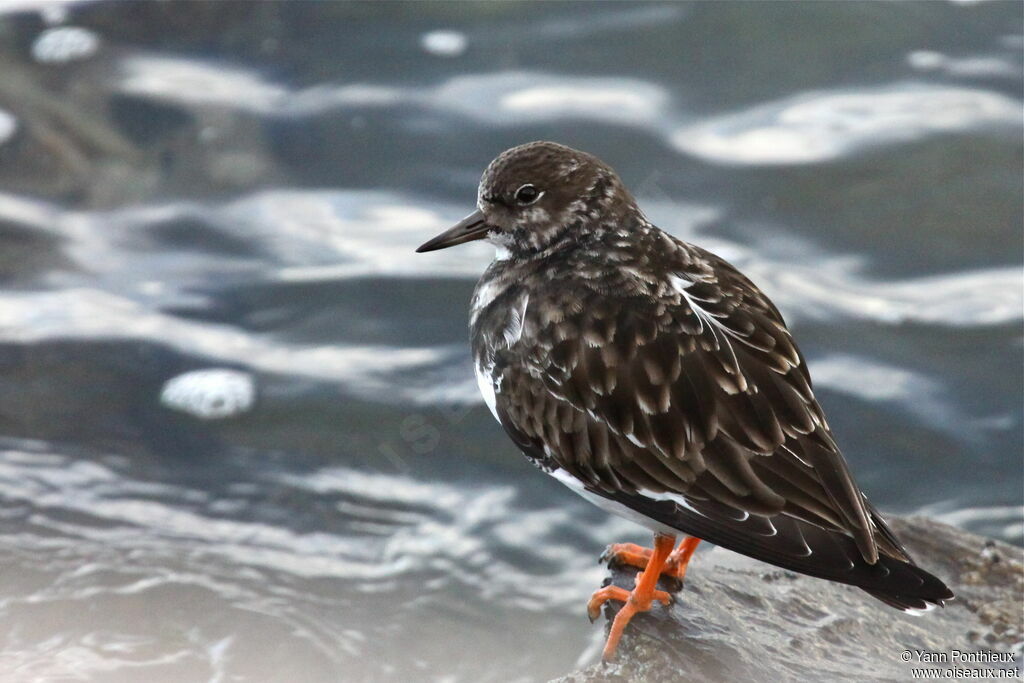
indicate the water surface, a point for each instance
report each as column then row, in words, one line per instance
column 238, row 188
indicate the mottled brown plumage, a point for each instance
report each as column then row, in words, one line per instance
column 655, row 379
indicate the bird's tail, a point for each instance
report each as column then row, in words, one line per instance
column 921, row 591
column 803, row 547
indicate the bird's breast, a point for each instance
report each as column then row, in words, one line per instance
column 497, row 318
column 498, row 309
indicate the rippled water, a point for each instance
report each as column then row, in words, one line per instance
column 240, row 435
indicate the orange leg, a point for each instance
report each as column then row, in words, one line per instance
column 679, row 560
column 639, row 599
column 638, row 556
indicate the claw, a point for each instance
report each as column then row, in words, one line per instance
column 638, row 556
column 661, row 560
column 627, row 553
column 603, row 595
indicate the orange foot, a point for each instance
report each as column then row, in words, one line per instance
column 637, row 556
column 640, row 598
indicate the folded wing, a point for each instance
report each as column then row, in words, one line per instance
column 688, row 401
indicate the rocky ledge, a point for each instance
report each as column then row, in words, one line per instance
column 738, row 619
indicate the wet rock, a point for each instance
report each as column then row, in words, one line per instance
column 738, row 619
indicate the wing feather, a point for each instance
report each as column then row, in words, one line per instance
column 693, row 386
column 689, row 402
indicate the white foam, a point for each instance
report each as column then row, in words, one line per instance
column 64, row 44
column 8, row 124
column 963, row 67
column 821, row 126
column 199, row 82
column 210, row 394
column 444, row 43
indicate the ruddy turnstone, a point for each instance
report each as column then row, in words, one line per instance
column 654, row 379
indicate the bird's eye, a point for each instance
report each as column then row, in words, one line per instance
column 527, row 194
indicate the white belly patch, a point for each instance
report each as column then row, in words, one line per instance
column 611, row 506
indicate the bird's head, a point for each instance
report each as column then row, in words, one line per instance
column 534, row 196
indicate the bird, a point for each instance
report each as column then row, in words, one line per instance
column 654, row 379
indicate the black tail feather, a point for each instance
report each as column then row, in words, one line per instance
column 799, row 546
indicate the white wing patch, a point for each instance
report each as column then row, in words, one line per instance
column 680, row 284
column 719, row 331
column 676, row 498
column 488, row 388
column 516, row 316
column 613, row 507
column 483, row 297
column 511, row 333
